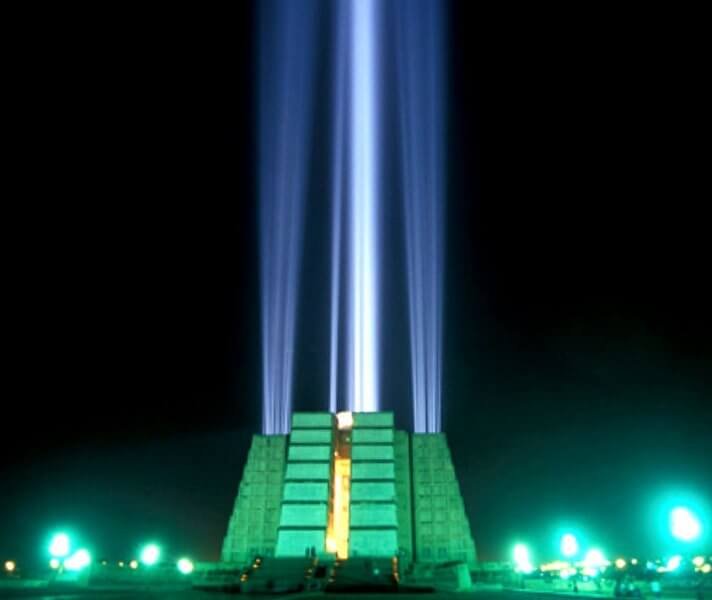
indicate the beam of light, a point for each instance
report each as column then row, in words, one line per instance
column 286, row 68
column 419, row 51
column 363, row 214
column 337, row 191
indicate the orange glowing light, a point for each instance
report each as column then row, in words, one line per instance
column 337, row 539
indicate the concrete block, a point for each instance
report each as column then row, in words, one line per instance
column 318, row 492
column 372, row 436
column 363, row 491
column 312, row 420
column 311, row 436
column 373, row 419
column 373, row 515
column 309, row 453
column 369, row 452
column 308, row 471
column 303, row 515
column 298, row 542
column 373, row 542
column 372, row 470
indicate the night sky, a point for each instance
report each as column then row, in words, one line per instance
column 578, row 337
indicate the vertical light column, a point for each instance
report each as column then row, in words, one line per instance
column 363, row 220
column 421, row 86
column 338, row 188
column 337, row 535
column 285, row 93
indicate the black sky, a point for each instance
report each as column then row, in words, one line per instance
column 578, row 336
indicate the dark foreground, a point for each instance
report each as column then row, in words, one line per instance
column 198, row 595
column 170, row 594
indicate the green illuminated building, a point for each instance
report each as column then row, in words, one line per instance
column 349, row 485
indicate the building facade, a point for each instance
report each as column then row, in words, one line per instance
column 349, row 485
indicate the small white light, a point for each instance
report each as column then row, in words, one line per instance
column 185, row 566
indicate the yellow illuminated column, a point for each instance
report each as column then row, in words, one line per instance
column 337, row 537
column 342, row 498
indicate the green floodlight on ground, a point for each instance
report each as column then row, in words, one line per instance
column 78, row 560
column 674, row 563
column 59, row 546
column 150, row 554
column 569, row 545
column 185, row 566
column 684, row 525
column 594, row 562
column 522, row 561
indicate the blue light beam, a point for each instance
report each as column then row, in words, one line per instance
column 363, row 217
column 419, row 51
column 285, row 95
column 338, row 187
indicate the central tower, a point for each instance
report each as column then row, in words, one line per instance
column 349, row 485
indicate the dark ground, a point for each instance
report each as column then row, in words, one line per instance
column 196, row 595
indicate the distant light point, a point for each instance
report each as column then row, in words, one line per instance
column 185, row 566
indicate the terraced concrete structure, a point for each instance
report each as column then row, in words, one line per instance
column 349, row 485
